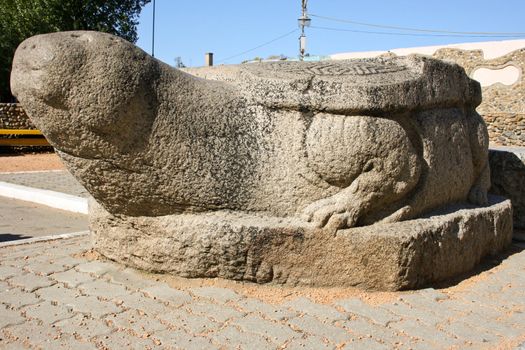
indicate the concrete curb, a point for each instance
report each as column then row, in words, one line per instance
column 52, row 199
column 43, row 239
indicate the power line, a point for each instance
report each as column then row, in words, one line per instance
column 259, row 46
column 497, row 34
column 303, row 21
column 417, row 34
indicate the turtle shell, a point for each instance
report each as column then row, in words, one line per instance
column 370, row 85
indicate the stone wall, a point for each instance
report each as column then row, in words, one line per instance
column 503, row 106
column 12, row 116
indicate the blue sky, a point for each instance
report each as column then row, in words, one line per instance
column 190, row 28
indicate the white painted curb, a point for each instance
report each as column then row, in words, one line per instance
column 43, row 239
column 52, row 199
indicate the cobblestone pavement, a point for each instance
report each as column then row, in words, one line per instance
column 53, row 180
column 55, row 295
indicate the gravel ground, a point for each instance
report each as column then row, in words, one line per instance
column 11, row 162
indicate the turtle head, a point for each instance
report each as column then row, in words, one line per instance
column 89, row 92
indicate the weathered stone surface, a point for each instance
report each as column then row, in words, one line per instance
column 389, row 256
column 202, row 176
column 507, row 167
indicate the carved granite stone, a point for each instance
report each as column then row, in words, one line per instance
column 215, row 162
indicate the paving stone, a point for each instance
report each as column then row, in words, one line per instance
column 313, row 326
column 497, row 327
column 139, row 324
column 64, row 250
column 405, row 310
column 103, row 289
column 516, row 318
column 464, row 331
column 308, row 342
column 140, row 302
column 23, row 252
column 177, row 339
column 424, row 333
column 488, row 288
column 90, row 305
column 17, row 298
column 194, row 324
column 4, row 286
column 218, row 313
column 30, row 282
column 33, row 333
column 426, row 299
column 322, row 312
column 12, row 345
column 511, row 297
column 165, row 293
column 47, row 312
column 217, row 294
column 36, row 259
column 67, row 261
column 365, row 344
column 84, row 327
column 474, row 307
column 130, row 278
column 123, row 340
column 278, row 313
column 275, row 332
column 9, row 317
column 12, row 262
column 7, row 271
column 232, row 338
column 72, row 278
column 96, row 267
column 67, row 343
column 377, row 315
column 422, row 345
column 363, row 327
column 58, row 294
column 432, row 307
column 45, row 269
column 430, row 294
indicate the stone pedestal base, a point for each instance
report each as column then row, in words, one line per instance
column 395, row 256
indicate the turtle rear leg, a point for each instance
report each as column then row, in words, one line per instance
column 371, row 159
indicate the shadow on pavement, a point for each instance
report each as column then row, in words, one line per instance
column 7, row 237
column 485, row 264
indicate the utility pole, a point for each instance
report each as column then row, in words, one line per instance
column 153, row 33
column 304, row 21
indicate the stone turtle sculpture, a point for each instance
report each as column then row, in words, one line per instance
column 295, row 147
